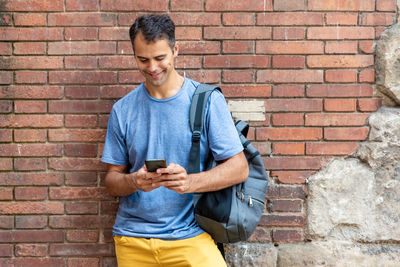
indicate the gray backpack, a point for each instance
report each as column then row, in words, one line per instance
column 231, row 214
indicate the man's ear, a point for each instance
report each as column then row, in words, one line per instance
column 176, row 50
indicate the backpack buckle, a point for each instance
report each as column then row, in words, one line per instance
column 196, row 136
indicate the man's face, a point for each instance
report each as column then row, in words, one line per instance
column 155, row 60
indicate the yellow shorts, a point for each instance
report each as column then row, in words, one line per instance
column 196, row 251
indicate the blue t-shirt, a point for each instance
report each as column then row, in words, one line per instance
column 142, row 127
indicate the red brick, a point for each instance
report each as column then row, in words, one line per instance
column 77, row 5
column 32, row 235
column 6, row 193
column 340, row 33
column 196, row 19
column 234, row 19
column 292, row 163
column 117, row 62
column 289, row 76
column 80, row 62
column 341, row 47
column 338, row 90
column 188, row 33
column 30, row 77
column 81, row 48
column 336, row 119
column 18, row 179
column 76, row 164
column 286, row 33
column 5, row 49
column 340, row 104
column 367, row 76
column 292, row 134
column 34, row 5
column 379, row 30
column 29, row 164
column 260, row 235
column 31, row 92
column 6, row 164
column 5, row 106
column 36, row 121
column 28, row 62
column 331, row 148
column 6, row 250
column 343, row 61
column 287, row 236
column 80, row 207
column 81, row 250
column 204, row 76
column 5, row 19
column 292, row 177
column 282, row 205
column 30, row 106
column 91, row 236
column 76, row 135
column 368, row 105
column 108, row 207
column 80, row 106
column 83, row 77
column 288, row 62
column 291, row 47
column 238, row 76
column 80, row 150
column 30, row 19
column 81, row 221
column 184, row 5
column 84, row 262
column 247, row 90
column 386, row 5
column 202, row 47
column 118, row 91
column 342, row 5
column 373, row 19
column 22, row 262
column 346, row 134
column 31, row 34
column 282, row 220
column 25, row 207
column 6, row 77
column 30, row 135
column 341, row 76
column 290, row 18
column 81, row 92
column 237, row 33
column 82, row 19
column 288, row 148
column 5, row 135
column 80, row 121
column 30, row 193
column 125, row 48
column 6, row 222
column 366, row 47
column 289, row 5
column 288, row 119
column 29, row 48
column 188, row 62
column 30, row 222
column 274, row 105
column 29, row 150
column 238, row 47
column 114, row 34
column 341, row 18
column 33, row 250
column 122, row 5
column 130, row 77
column 80, row 178
column 80, row 33
column 236, row 61
column 288, row 91
column 74, row 193
column 232, row 5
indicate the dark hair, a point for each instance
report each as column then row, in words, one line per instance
column 154, row 27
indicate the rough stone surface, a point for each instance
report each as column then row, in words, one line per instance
column 358, row 199
column 248, row 110
column 388, row 66
column 338, row 253
column 247, row 255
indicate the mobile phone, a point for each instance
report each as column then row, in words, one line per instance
column 153, row 164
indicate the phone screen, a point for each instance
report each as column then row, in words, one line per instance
column 153, row 164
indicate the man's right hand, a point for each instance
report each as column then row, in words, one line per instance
column 142, row 179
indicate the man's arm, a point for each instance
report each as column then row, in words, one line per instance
column 119, row 183
column 232, row 171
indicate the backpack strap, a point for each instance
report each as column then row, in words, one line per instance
column 196, row 116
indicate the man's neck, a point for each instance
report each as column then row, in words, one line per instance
column 170, row 88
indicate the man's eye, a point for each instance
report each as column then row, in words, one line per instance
column 160, row 58
column 143, row 60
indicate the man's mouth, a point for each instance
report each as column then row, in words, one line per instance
column 155, row 75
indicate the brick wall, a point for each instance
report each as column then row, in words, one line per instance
column 64, row 63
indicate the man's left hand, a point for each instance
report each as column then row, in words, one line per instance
column 174, row 177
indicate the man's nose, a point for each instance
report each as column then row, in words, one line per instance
column 152, row 66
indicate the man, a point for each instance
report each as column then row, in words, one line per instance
column 155, row 223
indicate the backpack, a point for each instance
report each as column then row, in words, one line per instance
column 231, row 214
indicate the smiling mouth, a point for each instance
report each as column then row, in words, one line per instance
column 155, row 75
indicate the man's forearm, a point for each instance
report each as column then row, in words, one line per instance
column 118, row 184
column 233, row 171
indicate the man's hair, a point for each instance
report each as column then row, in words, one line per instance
column 154, row 27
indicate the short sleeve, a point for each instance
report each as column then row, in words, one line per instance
column 223, row 138
column 115, row 150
